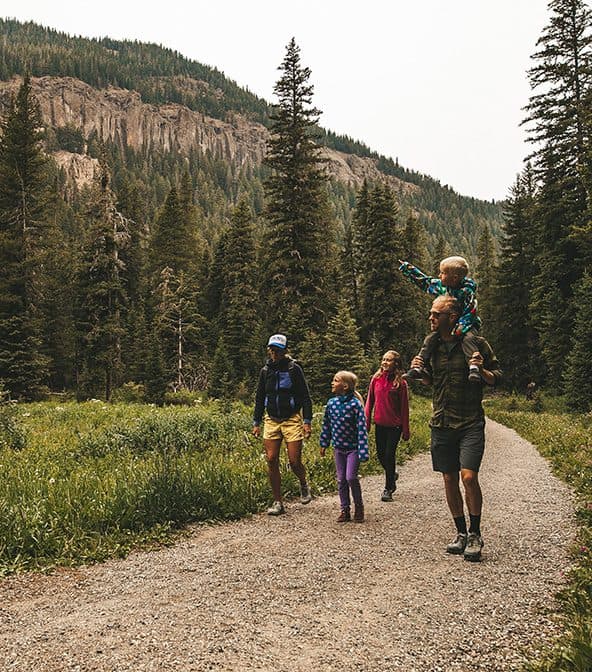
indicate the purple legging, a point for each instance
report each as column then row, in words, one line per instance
column 346, row 466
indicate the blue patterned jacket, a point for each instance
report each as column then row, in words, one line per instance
column 344, row 425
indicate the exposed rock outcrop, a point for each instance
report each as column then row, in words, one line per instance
column 120, row 116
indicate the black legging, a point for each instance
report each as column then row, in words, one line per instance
column 387, row 440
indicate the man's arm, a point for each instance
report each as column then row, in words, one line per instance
column 489, row 367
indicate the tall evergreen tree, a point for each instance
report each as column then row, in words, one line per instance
column 238, row 322
column 102, row 295
column 24, row 219
column 511, row 326
column 485, row 275
column 338, row 348
column 387, row 297
column 578, row 375
column 559, row 124
column 300, row 255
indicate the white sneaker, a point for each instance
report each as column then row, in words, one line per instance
column 276, row 509
column 305, row 496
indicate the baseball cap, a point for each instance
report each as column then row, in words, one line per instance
column 278, row 341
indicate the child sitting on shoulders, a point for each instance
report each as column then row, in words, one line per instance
column 344, row 426
column 452, row 280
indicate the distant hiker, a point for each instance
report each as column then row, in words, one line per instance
column 388, row 397
column 344, row 427
column 283, row 396
column 452, row 281
column 458, row 421
column 530, row 390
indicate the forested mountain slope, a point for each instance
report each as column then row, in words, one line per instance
column 157, row 111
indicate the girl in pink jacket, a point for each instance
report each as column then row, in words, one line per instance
column 388, row 398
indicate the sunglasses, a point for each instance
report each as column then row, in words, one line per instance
column 436, row 315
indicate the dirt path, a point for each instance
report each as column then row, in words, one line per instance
column 301, row 592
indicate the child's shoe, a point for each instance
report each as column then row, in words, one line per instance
column 474, row 375
column 414, row 374
column 344, row 516
column 359, row 514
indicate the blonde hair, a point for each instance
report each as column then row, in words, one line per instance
column 449, row 302
column 351, row 380
column 398, row 369
column 457, row 264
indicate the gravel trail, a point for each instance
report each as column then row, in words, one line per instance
column 301, row 592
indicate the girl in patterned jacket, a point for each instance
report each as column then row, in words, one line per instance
column 344, row 427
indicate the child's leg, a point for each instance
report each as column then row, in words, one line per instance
column 470, row 346
column 353, row 463
column 341, row 473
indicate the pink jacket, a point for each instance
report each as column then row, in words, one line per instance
column 391, row 405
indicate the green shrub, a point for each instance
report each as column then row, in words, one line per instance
column 183, row 398
column 129, row 393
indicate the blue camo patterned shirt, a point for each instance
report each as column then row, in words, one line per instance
column 344, row 425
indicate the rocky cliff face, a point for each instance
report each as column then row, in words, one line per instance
column 120, row 116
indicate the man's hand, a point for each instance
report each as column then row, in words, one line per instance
column 477, row 360
column 256, row 431
column 417, row 362
column 307, row 430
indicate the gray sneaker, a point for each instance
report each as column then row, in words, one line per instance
column 387, row 495
column 457, row 546
column 276, row 509
column 473, row 547
column 305, row 496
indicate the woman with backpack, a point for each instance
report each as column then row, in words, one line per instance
column 283, row 403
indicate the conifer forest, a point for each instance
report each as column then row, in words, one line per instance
column 165, row 274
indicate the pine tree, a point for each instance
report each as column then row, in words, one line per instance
column 23, row 216
column 559, row 123
column 102, row 295
column 338, row 348
column 238, row 318
column 387, row 297
column 485, row 275
column 510, row 324
column 578, row 376
column 300, row 255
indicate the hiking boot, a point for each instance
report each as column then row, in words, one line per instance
column 387, row 495
column 457, row 546
column 414, row 374
column 344, row 516
column 305, row 496
column 276, row 509
column 359, row 514
column 473, row 547
column 474, row 376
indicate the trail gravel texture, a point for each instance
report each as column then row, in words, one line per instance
column 301, row 592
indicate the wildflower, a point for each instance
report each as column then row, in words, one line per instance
column 52, row 480
column 26, row 415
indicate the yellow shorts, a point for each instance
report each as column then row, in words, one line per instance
column 290, row 430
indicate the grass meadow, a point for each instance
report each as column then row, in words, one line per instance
column 83, row 482
column 566, row 441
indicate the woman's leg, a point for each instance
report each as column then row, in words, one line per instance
column 387, row 440
column 272, row 455
column 295, row 460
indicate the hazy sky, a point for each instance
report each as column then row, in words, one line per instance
column 438, row 84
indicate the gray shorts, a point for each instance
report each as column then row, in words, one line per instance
column 456, row 449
